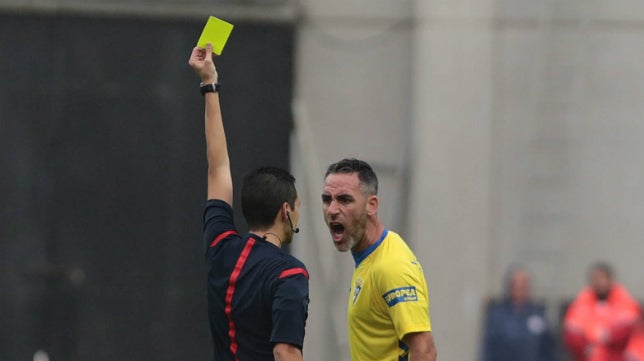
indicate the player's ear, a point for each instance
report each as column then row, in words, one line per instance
column 372, row 205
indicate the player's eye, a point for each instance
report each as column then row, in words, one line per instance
column 345, row 199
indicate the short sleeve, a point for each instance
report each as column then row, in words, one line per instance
column 404, row 291
column 290, row 306
column 217, row 222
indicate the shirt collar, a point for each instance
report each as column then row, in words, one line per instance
column 361, row 255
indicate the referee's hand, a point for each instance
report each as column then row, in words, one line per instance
column 201, row 62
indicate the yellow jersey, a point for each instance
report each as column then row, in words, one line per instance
column 388, row 299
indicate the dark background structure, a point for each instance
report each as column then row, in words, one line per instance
column 102, row 176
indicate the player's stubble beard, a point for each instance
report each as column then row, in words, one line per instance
column 355, row 232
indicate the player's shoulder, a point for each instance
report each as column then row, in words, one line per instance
column 395, row 258
column 396, row 249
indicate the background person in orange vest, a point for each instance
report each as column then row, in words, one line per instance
column 599, row 322
column 635, row 347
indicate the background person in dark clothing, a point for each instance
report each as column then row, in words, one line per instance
column 516, row 327
column 257, row 294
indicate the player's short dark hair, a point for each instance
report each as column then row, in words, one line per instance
column 263, row 192
column 603, row 267
column 366, row 175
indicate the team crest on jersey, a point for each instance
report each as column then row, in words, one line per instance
column 356, row 290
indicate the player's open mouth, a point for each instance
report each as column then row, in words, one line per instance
column 337, row 231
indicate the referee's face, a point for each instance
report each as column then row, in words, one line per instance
column 345, row 210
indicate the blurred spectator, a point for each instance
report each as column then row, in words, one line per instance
column 635, row 347
column 599, row 322
column 515, row 327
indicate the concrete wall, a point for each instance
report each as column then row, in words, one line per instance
column 449, row 209
column 567, row 141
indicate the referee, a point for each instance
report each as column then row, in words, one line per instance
column 258, row 295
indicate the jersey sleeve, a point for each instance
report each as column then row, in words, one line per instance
column 403, row 289
column 290, row 306
column 218, row 223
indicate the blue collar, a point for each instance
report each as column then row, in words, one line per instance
column 361, row 255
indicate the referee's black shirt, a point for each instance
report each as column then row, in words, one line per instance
column 257, row 294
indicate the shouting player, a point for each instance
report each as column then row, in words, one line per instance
column 388, row 300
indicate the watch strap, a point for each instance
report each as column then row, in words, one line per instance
column 209, row 88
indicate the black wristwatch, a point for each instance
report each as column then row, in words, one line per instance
column 209, row 88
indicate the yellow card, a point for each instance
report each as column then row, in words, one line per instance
column 215, row 32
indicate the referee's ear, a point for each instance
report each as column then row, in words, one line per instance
column 283, row 213
column 372, row 205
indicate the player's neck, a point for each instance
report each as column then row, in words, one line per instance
column 373, row 231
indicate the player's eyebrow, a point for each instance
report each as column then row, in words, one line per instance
column 344, row 197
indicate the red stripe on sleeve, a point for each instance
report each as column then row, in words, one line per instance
column 222, row 236
column 294, row 271
column 231, row 291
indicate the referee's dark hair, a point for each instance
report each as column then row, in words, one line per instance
column 368, row 178
column 263, row 192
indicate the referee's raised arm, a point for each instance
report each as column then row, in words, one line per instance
column 220, row 184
